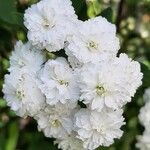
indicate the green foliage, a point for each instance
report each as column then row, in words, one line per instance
column 9, row 13
column 13, row 132
column 80, row 8
column 134, row 31
column 108, row 14
column 146, row 75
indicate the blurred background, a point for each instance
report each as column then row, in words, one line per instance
column 132, row 18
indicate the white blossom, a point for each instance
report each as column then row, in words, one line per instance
column 22, row 94
column 144, row 116
column 49, row 22
column 70, row 143
column 147, row 95
column 95, row 41
column 109, row 83
column 130, row 71
column 25, row 56
column 98, row 128
column 56, row 121
column 58, row 82
column 144, row 141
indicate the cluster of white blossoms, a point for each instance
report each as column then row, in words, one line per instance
column 77, row 99
column 144, row 117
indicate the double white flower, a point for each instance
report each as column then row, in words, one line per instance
column 49, row 23
column 58, row 82
column 98, row 128
column 22, row 93
column 56, row 121
column 95, row 41
column 109, row 84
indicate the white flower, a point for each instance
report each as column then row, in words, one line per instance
column 95, row 41
column 109, row 83
column 49, row 22
column 22, row 94
column 58, row 82
column 144, row 116
column 70, row 143
column 98, row 128
column 130, row 72
column 147, row 95
column 144, row 141
column 56, row 121
column 27, row 57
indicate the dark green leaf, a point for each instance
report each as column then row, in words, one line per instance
column 107, row 13
column 9, row 14
column 146, row 75
column 80, row 9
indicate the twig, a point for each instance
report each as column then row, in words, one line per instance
column 119, row 14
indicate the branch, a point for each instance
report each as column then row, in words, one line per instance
column 120, row 14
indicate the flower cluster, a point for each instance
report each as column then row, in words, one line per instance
column 144, row 117
column 76, row 99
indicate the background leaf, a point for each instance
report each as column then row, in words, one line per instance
column 13, row 134
column 9, row 14
column 108, row 14
column 146, row 75
column 80, row 8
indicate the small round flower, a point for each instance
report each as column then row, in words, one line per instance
column 49, row 22
column 25, row 56
column 147, row 95
column 95, row 41
column 58, row 82
column 56, row 121
column 98, row 128
column 22, row 94
column 70, row 143
column 144, row 141
column 109, row 83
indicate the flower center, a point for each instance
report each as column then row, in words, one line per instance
column 92, row 45
column 100, row 90
column 21, row 63
column 47, row 24
column 56, row 123
column 101, row 129
column 63, row 82
column 20, row 94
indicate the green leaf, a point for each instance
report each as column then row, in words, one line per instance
column 80, row 9
column 11, row 142
column 77, row 4
column 9, row 14
column 18, row 18
column 2, row 103
column 146, row 75
column 108, row 14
